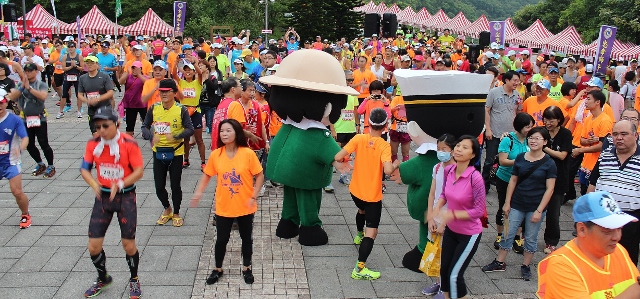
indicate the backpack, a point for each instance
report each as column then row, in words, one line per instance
column 496, row 163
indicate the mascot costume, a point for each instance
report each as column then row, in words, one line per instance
column 434, row 108
column 308, row 92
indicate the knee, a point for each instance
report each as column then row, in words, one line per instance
column 17, row 192
column 129, row 246
column 94, row 247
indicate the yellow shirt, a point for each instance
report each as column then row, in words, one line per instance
column 165, row 120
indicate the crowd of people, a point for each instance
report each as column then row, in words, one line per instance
column 548, row 120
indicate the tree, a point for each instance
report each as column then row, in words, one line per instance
column 332, row 19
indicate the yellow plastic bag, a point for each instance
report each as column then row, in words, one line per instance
column 430, row 262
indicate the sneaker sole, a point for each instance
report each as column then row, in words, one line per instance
column 49, row 175
column 429, row 294
column 23, row 227
column 100, row 291
column 357, row 277
column 491, row 271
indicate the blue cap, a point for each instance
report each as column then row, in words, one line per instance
column 161, row 64
column 33, row 40
column 600, row 208
column 596, row 82
column 554, row 69
column 544, row 83
column 139, row 37
column 390, row 89
column 187, row 47
column 522, row 71
column 496, row 56
column 260, row 88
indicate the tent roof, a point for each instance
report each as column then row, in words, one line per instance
column 41, row 18
column 94, row 22
column 437, row 19
column 531, row 36
column 394, row 9
column 406, row 15
column 474, row 29
column 421, row 17
column 456, row 23
column 564, row 40
column 150, row 24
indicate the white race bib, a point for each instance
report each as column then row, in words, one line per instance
column 93, row 95
column 347, row 115
column 111, row 172
column 4, row 147
column 189, row 93
column 162, row 128
column 58, row 66
column 72, row 78
column 33, row 121
column 401, row 127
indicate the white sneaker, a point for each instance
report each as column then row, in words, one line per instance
column 60, row 115
column 262, row 190
column 79, row 114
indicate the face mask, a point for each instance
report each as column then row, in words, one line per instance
column 444, row 156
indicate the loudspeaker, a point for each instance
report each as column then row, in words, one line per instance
column 371, row 24
column 9, row 12
column 389, row 25
column 474, row 53
column 485, row 39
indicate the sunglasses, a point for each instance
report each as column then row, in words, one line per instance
column 103, row 126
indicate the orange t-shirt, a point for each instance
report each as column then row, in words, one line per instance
column 206, row 48
column 130, row 57
column 600, row 127
column 234, row 187
column 148, row 86
column 147, row 68
column 107, row 169
column 577, row 129
column 172, row 57
column 370, row 105
column 358, row 77
column 371, row 152
column 397, row 100
column 275, row 124
column 57, row 65
column 582, row 72
column 535, row 109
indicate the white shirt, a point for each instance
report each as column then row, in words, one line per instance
column 35, row 59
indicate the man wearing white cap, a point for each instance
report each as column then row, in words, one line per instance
column 223, row 61
column 592, row 265
column 509, row 61
column 620, row 69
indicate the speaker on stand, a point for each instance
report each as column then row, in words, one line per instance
column 371, row 24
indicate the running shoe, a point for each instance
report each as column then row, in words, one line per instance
column 358, row 238
column 214, row 277
column 134, row 288
column 431, row 290
column 384, row 188
column 518, row 246
column 58, row 103
column 60, row 115
column 549, row 249
column 248, row 276
column 79, row 114
column 329, row 189
column 439, row 295
column 202, row 166
column 364, row 274
column 495, row 266
column 344, row 179
column 49, row 89
column 25, row 221
column 39, row 169
column 186, row 164
column 496, row 244
column 97, row 287
column 262, row 190
column 526, row 272
column 66, row 108
column 50, row 171
column 268, row 184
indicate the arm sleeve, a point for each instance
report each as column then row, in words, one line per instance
column 565, row 145
column 135, row 155
column 21, row 130
column 350, row 147
column 146, row 125
column 479, row 196
column 515, row 169
column 88, row 153
column 186, row 124
column 595, row 174
column 254, row 164
column 505, row 144
column 386, row 153
column 80, row 85
column 210, row 168
column 363, row 107
column 108, row 83
column 489, row 102
column 552, row 172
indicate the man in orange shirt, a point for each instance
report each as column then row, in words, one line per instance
column 592, row 265
column 535, row 105
column 150, row 93
column 373, row 157
column 58, row 72
column 138, row 55
column 362, row 77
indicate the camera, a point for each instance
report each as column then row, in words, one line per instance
column 376, row 96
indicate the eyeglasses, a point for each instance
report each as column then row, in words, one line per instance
column 103, row 126
column 350, row 80
column 268, row 57
column 629, row 118
column 535, row 138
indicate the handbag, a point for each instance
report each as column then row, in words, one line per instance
column 496, row 163
column 166, row 153
column 430, row 262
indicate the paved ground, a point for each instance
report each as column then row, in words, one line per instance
column 50, row 260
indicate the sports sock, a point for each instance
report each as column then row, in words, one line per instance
column 360, row 219
column 133, row 261
column 365, row 249
column 100, row 262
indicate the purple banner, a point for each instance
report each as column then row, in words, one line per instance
column 605, row 45
column 497, row 29
column 179, row 13
column 80, row 35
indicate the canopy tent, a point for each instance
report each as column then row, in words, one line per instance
column 367, row 8
column 421, row 17
column 406, row 15
column 456, row 23
column 590, row 49
column 394, row 9
column 150, row 24
column 531, row 36
column 42, row 22
column 473, row 30
column 94, row 22
column 563, row 41
column 381, row 8
column 511, row 29
column 627, row 54
column 437, row 19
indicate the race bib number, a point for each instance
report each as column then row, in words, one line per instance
column 33, row 121
column 189, row 93
column 401, row 127
column 162, row 128
column 4, row 147
column 93, row 95
column 111, row 172
column 347, row 115
column 58, row 66
column 72, row 78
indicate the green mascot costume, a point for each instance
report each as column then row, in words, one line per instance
column 308, row 92
column 433, row 109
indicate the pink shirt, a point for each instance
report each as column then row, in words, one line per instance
column 466, row 193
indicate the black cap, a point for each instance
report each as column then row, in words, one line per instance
column 27, row 46
column 106, row 113
column 168, row 84
column 30, row 67
column 599, row 75
column 106, row 44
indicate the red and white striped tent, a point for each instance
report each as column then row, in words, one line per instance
column 511, row 29
column 41, row 18
column 436, row 20
column 421, row 17
column 367, row 8
column 406, row 15
column 531, row 36
column 394, row 9
column 590, row 49
column 473, row 30
column 150, row 24
column 456, row 23
column 563, row 41
column 94, row 22
column 627, row 54
column 381, row 8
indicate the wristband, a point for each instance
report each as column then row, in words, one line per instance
column 538, row 211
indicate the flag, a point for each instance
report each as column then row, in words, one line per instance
column 118, row 8
column 55, row 15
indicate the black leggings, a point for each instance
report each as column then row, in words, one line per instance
column 66, row 86
column 501, row 189
column 116, row 83
column 457, row 252
column 552, row 232
column 223, row 226
column 46, row 74
column 43, row 140
column 131, row 115
column 160, row 170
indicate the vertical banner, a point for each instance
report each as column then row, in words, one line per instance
column 55, row 17
column 80, row 35
column 605, row 45
column 179, row 13
column 497, row 29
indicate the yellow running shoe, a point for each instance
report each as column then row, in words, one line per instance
column 358, row 238
column 364, row 274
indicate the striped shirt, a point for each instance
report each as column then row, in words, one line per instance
column 622, row 180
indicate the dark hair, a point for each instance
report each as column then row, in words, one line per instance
column 629, row 76
column 201, row 54
column 509, row 75
column 583, row 60
column 598, row 96
column 228, row 84
column 631, row 109
column 466, row 55
column 378, row 115
column 475, row 146
column 358, row 60
column 542, row 130
column 613, row 83
column 494, row 70
column 567, row 87
column 272, row 53
column 241, row 139
column 553, row 112
column 376, row 85
column 448, row 139
column 246, row 83
column 7, row 70
column 522, row 120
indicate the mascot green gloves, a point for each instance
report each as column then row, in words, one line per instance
column 308, row 92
